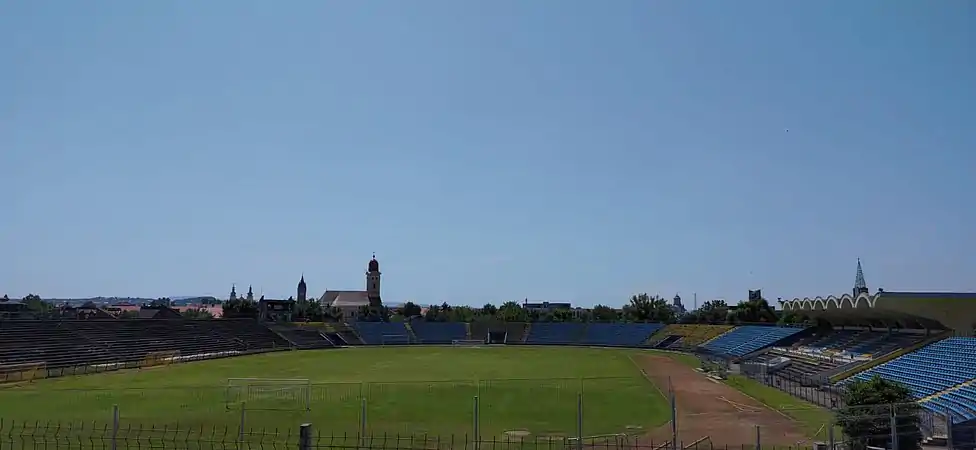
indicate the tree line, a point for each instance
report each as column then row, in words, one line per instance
column 639, row 308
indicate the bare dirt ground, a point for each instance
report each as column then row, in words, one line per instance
column 709, row 408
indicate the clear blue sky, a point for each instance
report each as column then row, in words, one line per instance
column 487, row 150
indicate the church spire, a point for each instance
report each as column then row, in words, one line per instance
column 860, row 286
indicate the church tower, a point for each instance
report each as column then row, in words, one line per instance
column 860, row 286
column 250, row 294
column 233, row 292
column 302, row 290
column 373, row 282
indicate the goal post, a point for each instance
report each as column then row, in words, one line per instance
column 269, row 394
column 467, row 342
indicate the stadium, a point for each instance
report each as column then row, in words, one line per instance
column 178, row 383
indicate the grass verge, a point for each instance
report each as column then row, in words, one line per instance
column 812, row 418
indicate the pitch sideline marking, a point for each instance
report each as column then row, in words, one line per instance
column 648, row 378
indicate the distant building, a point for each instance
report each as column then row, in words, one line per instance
column 546, row 306
column 677, row 306
column 158, row 312
column 350, row 302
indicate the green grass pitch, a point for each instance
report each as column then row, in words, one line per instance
column 403, row 390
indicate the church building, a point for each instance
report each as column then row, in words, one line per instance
column 350, row 302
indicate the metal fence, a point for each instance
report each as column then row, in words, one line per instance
column 487, row 414
column 882, row 430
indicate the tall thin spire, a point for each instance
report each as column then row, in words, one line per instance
column 860, row 286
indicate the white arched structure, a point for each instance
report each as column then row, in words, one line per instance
column 831, row 302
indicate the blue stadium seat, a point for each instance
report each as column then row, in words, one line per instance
column 439, row 332
column 619, row 334
column 555, row 333
column 933, row 369
column 385, row 333
column 746, row 339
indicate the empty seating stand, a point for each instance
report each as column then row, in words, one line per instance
column 67, row 347
column 439, row 332
column 685, row 335
column 619, row 334
column 555, row 333
column 941, row 375
column 383, row 333
column 749, row 338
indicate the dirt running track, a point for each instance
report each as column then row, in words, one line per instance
column 709, row 408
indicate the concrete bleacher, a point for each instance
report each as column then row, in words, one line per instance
column 382, row 333
column 439, row 332
column 819, row 355
column 566, row 333
column 746, row 339
column 940, row 375
column 304, row 338
column 686, row 335
column 619, row 334
column 81, row 346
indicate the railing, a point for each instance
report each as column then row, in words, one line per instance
column 883, row 428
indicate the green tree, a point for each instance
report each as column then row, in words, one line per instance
column 512, row 312
column 240, row 308
column 713, row 311
column 752, row 311
column 410, row 309
column 489, row 310
column 647, row 308
column 129, row 315
column 38, row 306
column 603, row 313
column 197, row 313
column 867, row 415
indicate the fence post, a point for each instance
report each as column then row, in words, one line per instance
column 948, row 422
column 674, row 421
column 894, row 428
column 579, row 421
column 758, row 438
column 362, row 418
column 240, row 431
column 830, row 436
column 115, row 426
column 305, row 437
column 477, row 423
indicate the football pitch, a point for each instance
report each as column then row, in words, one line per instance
column 445, row 391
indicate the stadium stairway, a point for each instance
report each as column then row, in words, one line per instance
column 410, row 332
column 302, row 338
column 954, row 388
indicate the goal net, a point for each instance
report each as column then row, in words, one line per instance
column 394, row 339
column 22, row 372
column 269, row 394
column 467, row 342
column 164, row 358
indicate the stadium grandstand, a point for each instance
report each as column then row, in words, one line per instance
column 922, row 340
